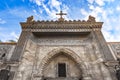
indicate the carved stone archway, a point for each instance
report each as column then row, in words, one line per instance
column 57, row 51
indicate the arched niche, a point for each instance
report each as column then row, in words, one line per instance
column 69, row 58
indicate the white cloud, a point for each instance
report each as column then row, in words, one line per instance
column 95, row 11
column 16, row 36
column 2, row 21
column 54, row 4
column 51, row 13
column 84, row 12
column 51, row 7
column 99, row 2
column 91, row 1
column 109, row 37
column 36, row 14
column 110, row 28
column 19, row 12
column 118, row 8
column 38, row 2
column 23, row 13
column 54, row 7
column 91, row 7
column 9, row 36
column 109, row 0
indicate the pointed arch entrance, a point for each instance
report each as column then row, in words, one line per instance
column 61, row 63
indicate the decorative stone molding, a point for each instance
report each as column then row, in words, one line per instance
column 30, row 19
column 91, row 19
column 55, row 52
column 64, row 25
column 61, row 26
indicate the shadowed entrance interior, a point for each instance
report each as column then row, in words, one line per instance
column 61, row 70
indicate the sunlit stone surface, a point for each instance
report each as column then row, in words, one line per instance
column 79, row 45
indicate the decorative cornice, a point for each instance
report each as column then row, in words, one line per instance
column 31, row 25
column 63, row 25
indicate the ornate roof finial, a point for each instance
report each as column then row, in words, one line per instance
column 61, row 14
column 91, row 19
column 30, row 19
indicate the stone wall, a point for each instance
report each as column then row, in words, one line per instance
column 38, row 53
column 115, row 49
column 81, row 54
column 26, row 64
column 6, row 50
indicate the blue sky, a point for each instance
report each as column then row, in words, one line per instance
column 12, row 12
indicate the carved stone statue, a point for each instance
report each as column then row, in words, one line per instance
column 30, row 19
column 91, row 19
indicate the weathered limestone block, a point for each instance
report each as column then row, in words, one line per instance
column 27, row 63
column 25, row 69
column 105, row 72
column 82, row 57
column 6, row 51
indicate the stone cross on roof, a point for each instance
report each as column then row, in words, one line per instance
column 61, row 14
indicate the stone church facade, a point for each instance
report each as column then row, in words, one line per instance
column 60, row 50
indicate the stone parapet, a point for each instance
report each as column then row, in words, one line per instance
column 61, row 26
column 57, row 26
